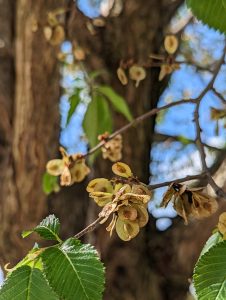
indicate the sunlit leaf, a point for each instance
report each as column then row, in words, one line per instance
column 74, row 101
column 209, row 274
column 49, row 184
column 27, row 283
column 210, row 12
column 74, row 271
column 47, row 229
column 97, row 119
column 116, row 100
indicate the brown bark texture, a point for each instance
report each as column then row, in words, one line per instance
column 29, row 123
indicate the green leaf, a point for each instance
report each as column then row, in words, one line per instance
column 50, row 183
column 210, row 12
column 74, row 271
column 47, row 229
column 74, row 101
column 212, row 241
column 210, row 273
column 116, row 100
column 26, row 283
column 97, row 119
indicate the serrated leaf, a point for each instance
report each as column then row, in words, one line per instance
column 49, row 183
column 97, row 119
column 74, row 271
column 209, row 274
column 47, row 229
column 74, row 101
column 212, row 241
column 210, row 12
column 116, row 100
column 26, row 283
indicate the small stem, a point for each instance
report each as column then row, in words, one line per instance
column 180, row 180
column 89, row 228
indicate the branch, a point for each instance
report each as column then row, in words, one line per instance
column 199, row 142
column 161, row 137
column 138, row 120
column 184, row 179
column 219, row 95
column 89, row 228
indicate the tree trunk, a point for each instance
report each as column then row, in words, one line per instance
column 29, row 123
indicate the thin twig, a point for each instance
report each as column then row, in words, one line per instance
column 219, row 95
column 180, row 180
column 89, row 228
column 199, row 143
column 137, row 120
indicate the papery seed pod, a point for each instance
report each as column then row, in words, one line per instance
column 99, row 22
column 167, row 197
column 79, row 171
column 99, row 185
column 181, row 207
column 165, row 70
column 171, row 44
column 126, row 230
column 107, row 210
column 127, row 213
column 112, row 224
column 112, row 150
column 102, row 195
column 222, row 223
column 122, row 76
column 142, row 215
column 65, row 178
column 137, row 73
column 58, row 35
column 47, row 30
column 140, row 189
column 122, row 169
column 55, row 167
column 202, row 205
column 135, row 198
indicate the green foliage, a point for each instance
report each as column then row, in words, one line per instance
column 49, row 184
column 74, row 271
column 210, row 12
column 68, row 270
column 212, row 241
column 116, row 100
column 97, row 119
column 47, row 229
column 74, row 101
column 209, row 274
column 26, row 283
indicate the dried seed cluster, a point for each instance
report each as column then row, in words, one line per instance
column 124, row 198
column 189, row 202
column 112, row 149
column 71, row 168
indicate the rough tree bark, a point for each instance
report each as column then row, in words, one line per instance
column 29, row 123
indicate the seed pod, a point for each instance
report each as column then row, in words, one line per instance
column 58, row 35
column 122, row 76
column 127, row 213
column 100, row 185
column 142, row 215
column 165, row 70
column 79, row 171
column 65, row 178
column 137, row 73
column 127, row 230
column 47, row 30
column 122, row 170
column 171, row 44
column 55, row 167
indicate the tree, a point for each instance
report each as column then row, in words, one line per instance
column 139, row 30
